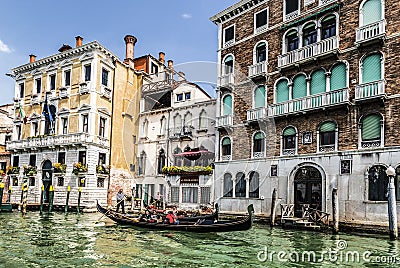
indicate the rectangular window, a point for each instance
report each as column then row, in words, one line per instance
column 21, row 90
column 88, row 70
column 261, row 19
column 291, row 6
column 102, row 127
column 38, row 83
column 179, row 97
column 67, row 78
column 61, row 157
column 35, row 129
column 174, row 194
column 154, row 69
column 229, row 34
column 205, row 193
column 190, row 194
column 102, row 158
column 18, row 130
column 82, row 157
column 100, row 182
column 60, row 181
column 64, row 125
column 32, row 160
column 187, row 96
column 52, row 82
column 32, row 181
column 85, row 123
column 327, row 138
column 289, row 142
column 3, row 166
column 15, row 161
column 104, row 77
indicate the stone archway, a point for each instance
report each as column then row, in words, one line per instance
column 307, row 189
column 47, row 178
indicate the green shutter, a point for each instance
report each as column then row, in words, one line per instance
column 327, row 127
column 318, row 82
column 259, row 97
column 290, row 131
column 371, row 68
column 372, row 11
column 259, row 136
column 282, row 91
column 226, row 141
column 371, row 127
column 227, row 101
column 299, row 87
column 229, row 58
column 338, row 77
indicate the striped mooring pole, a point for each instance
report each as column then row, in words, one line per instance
column 24, row 196
column 79, row 199
column 41, row 200
column 51, row 198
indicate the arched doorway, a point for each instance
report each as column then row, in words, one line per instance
column 307, row 189
column 47, row 178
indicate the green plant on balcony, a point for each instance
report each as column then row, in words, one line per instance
column 1, row 173
column 12, row 170
column 102, row 169
column 79, row 168
column 199, row 170
column 59, row 168
column 29, row 170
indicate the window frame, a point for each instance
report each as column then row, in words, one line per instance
column 103, row 78
column 38, row 86
column 335, row 134
column 224, row 147
column 64, row 125
column 230, row 41
column 285, row 14
column 264, row 27
column 85, row 123
column 284, row 142
column 262, row 146
column 50, row 82
column 102, row 127
column 382, row 131
column 67, row 82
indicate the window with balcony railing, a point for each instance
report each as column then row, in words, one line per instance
column 226, row 149
column 291, row 9
column 259, row 145
column 327, row 136
column 371, row 131
column 372, row 84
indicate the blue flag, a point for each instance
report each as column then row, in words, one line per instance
column 46, row 111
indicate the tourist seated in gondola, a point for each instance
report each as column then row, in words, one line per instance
column 146, row 216
column 171, row 218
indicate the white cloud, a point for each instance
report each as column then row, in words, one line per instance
column 187, row 16
column 4, row 47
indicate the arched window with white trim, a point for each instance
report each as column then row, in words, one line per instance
column 327, row 136
column 177, row 124
column 328, row 27
column 259, row 144
column 318, row 82
column 254, row 184
column 371, row 12
column 371, row 68
column 289, row 141
column 259, row 97
column 228, row 65
column 260, row 52
column 310, row 34
column 299, row 86
column 291, row 41
column 203, row 120
column 227, row 107
column 228, row 185
column 371, row 131
column 240, row 186
column 226, row 148
column 338, row 77
column 282, row 91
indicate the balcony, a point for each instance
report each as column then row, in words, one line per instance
column 370, row 90
column 49, row 141
column 35, row 99
column 227, row 80
column 292, row 15
column 371, row 32
column 224, row 121
column 258, row 69
column 257, row 114
column 322, row 100
column 63, row 92
column 185, row 132
column 309, row 52
column 257, row 155
column 325, row 2
column 83, row 88
column 106, row 92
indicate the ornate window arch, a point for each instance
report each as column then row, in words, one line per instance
column 226, row 148
column 289, row 141
column 371, row 131
column 259, row 144
column 228, row 64
column 260, row 52
column 327, row 136
column 228, row 185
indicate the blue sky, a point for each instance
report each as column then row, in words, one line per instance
column 180, row 28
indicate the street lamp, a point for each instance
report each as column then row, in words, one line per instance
column 391, row 172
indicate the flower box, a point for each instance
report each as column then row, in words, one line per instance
column 13, row 170
column 79, row 168
column 198, row 170
column 59, row 168
column 30, row 170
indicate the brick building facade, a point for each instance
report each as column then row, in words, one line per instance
column 313, row 85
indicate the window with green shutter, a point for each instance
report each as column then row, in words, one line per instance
column 371, row 12
column 338, row 77
column 327, row 133
column 227, row 105
column 226, row 146
column 299, row 87
column 282, row 91
column 318, row 82
column 259, row 97
column 371, row 68
column 258, row 142
column 289, row 138
column 371, row 127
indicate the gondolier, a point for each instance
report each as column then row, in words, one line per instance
column 120, row 200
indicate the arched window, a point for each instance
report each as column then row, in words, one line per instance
column 259, row 97
column 228, row 65
column 371, row 130
column 254, row 184
column 289, row 140
column 299, row 86
column 378, row 182
column 163, row 125
column 161, row 161
column 145, row 126
column 327, row 136
column 203, row 120
column 292, row 41
column 318, row 82
column 227, row 105
column 258, row 144
column 328, row 27
column 338, row 77
column 177, row 124
column 177, row 159
column 371, row 68
column 282, row 91
column 371, row 11
column 309, row 34
column 261, row 52
column 228, row 185
column 240, row 189
column 226, row 147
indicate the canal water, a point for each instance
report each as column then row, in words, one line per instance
column 75, row 240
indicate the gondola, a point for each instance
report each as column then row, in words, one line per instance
column 200, row 226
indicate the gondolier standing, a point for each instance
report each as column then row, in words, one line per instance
column 120, row 200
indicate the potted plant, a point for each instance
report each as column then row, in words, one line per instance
column 12, row 170
column 199, row 170
column 29, row 170
column 79, row 168
column 59, row 168
column 103, row 169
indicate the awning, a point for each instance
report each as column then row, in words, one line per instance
column 194, row 154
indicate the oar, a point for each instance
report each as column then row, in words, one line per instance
column 107, row 212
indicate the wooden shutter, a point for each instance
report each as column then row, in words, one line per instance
column 371, row 68
column 259, row 97
column 327, row 127
column 299, row 87
column 371, row 127
column 318, row 82
column 338, row 77
column 371, row 11
column 282, row 91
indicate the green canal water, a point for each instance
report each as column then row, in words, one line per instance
column 75, row 241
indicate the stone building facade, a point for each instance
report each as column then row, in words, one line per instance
column 313, row 85
column 6, row 127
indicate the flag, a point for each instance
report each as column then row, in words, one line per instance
column 21, row 113
column 46, row 111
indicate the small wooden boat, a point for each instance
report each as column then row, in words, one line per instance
column 200, row 226
column 7, row 207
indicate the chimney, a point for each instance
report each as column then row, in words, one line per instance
column 130, row 42
column 32, row 58
column 171, row 64
column 161, row 57
column 181, row 76
column 79, row 40
column 64, row 48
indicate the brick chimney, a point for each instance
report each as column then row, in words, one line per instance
column 32, row 58
column 161, row 57
column 171, row 64
column 79, row 40
column 130, row 42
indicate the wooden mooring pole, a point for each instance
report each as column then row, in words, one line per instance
column 1, row 193
column 79, row 199
column 66, row 202
column 24, row 196
column 335, row 211
column 51, row 198
column 391, row 172
column 273, row 207
column 41, row 200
